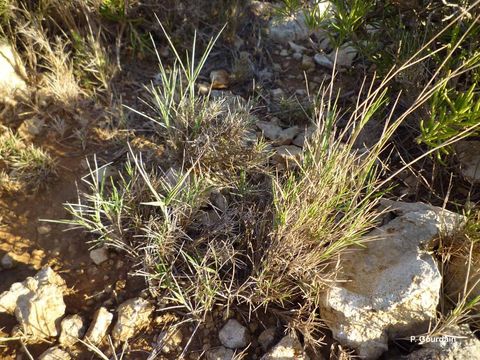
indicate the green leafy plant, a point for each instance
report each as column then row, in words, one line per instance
column 348, row 16
column 451, row 112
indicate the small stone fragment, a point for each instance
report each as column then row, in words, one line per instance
column 296, row 48
column 72, row 329
column 323, row 60
column 267, row 337
column 287, row 155
column 234, row 335
column 289, row 348
column 220, row 353
column 54, row 353
column 44, row 229
column 99, row 255
column 133, row 316
column 171, row 339
column 308, row 64
column 270, row 130
column 277, row 94
column 286, row 136
column 282, row 29
column 7, row 262
column 220, row 79
column 99, row 326
column 344, row 56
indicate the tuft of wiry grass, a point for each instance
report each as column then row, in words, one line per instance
column 28, row 166
column 278, row 241
column 212, row 134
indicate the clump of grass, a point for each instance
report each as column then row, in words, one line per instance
column 279, row 240
column 212, row 134
column 24, row 166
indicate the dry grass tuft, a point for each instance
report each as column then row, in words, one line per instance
column 23, row 166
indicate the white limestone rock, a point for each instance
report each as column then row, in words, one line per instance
column 10, row 70
column 393, row 284
column 133, row 316
column 99, row 326
column 37, row 303
column 54, row 353
column 289, row 348
column 72, row 329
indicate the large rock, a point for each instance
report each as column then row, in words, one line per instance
column 393, row 282
column 267, row 337
column 234, row 335
column 289, row 348
column 457, row 343
column 37, row 303
column 10, row 68
column 99, row 327
column 133, row 316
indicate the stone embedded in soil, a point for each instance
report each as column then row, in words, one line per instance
column 40, row 311
column 287, row 155
column 341, row 57
column 286, row 136
column 267, row 337
column 220, row 79
column 463, row 345
column 323, row 60
column 31, row 128
column 277, row 94
column 72, row 329
column 308, row 64
column 37, row 303
column 99, row 255
column 44, row 229
column 220, row 353
column 285, row 29
column 270, row 130
column 234, row 335
column 394, row 283
column 297, row 48
column 7, row 262
column 468, row 154
column 133, row 316
column 344, row 56
column 289, row 348
column 99, row 326
column 171, row 339
column 54, row 353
